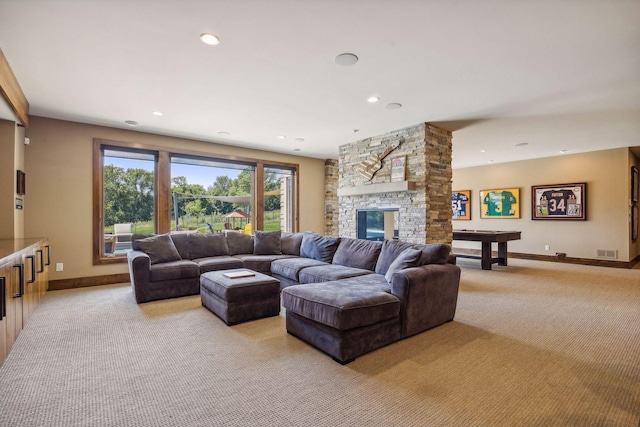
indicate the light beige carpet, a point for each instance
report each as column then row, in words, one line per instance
column 532, row 344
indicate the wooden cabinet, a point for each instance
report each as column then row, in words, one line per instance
column 23, row 281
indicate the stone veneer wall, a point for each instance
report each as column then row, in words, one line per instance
column 424, row 214
column 331, row 197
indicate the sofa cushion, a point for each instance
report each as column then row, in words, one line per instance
column 408, row 258
column 260, row 263
column 435, row 253
column 215, row 263
column 339, row 306
column 202, row 246
column 134, row 240
column 267, row 243
column 239, row 243
column 321, row 248
column 291, row 267
column 390, row 251
column 160, row 248
column 174, row 270
column 291, row 243
column 328, row 273
column 181, row 241
column 357, row 253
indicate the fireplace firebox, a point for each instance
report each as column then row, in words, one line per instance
column 377, row 224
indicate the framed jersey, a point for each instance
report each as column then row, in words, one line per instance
column 500, row 203
column 559, row 201
column 461, row 204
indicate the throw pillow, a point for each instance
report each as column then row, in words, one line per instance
column 408, row 258
column 239, row 243
column 390, row 251
column 160, row 248
column 291, row 243
column 434, row 253
column 321, row 248
column 267, row 243
column 357, row 253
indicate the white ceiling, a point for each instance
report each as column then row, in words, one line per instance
column 556, row 74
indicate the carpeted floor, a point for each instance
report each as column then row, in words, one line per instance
column 532, row 344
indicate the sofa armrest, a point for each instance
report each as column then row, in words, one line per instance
column 428, row 296
column 140, row 273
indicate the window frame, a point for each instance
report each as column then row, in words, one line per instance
column 162, row 188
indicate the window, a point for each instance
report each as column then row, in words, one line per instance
column 209, row 195
column 150, row 190
column 278, row 198
column 127, row 198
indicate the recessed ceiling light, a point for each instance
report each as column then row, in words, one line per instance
column 210, row 39
column 296, row 149
column 281, row 137
column 224, row 133
column 346, row 59
column 131, row 123
column 373, row 99
column 483, row 151
column 490, row 161
column 522, row 144
column 299, row 140
column 157, row 113
column 563, row 151
column 356, row 130
column 393, row 106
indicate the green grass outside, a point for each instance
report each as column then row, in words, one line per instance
column 271, row 223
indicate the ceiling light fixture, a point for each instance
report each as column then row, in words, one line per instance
column 281, row 137
column 356, row 130
column 224, row 133
column 522, row 144
column 563, row 151
column 346, row 59
column 210, row 39
column 131, row 123
column 373, row 99
column 296, row 149
column 483, row 151
column 299, row 140
column 393, row 106
column 157, row 113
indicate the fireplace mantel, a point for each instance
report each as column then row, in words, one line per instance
column 383, row 187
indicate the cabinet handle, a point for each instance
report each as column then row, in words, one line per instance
column 41, row 252
column 48, row 255
column 33, row 268
column 20, row 268
column 3, row 296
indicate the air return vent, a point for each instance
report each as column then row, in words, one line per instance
column 607, row 253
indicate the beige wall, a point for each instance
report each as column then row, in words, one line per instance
column 59, row 171
column 608, row 223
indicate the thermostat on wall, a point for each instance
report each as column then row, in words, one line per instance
column 18, row 203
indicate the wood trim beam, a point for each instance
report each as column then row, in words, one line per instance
column 12, row 92
column 85, row 282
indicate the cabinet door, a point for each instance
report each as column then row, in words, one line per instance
column 29, row 299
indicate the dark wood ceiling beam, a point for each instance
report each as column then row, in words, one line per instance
column 12, row 92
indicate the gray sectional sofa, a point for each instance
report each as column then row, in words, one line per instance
column 345, row 296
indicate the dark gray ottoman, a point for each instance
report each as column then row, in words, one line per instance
column 237, row 300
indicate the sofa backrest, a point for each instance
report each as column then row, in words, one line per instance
column 239, row 243
column 206, row 245
column 357, row 253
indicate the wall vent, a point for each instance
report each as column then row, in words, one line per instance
column 607, row 253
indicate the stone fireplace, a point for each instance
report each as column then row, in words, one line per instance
column 421, row 202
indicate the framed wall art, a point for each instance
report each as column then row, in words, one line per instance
column 461, row 205
column 500, row 203
column 559, row 201
column 398, row 168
